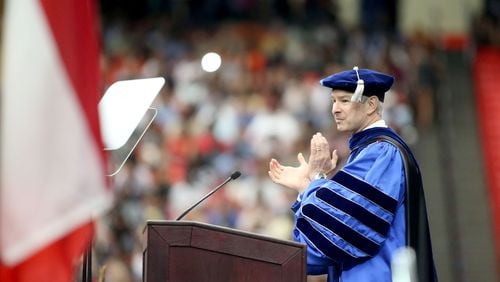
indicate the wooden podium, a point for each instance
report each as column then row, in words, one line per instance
column 198, row 252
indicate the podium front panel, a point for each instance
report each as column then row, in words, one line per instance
column 192, row 251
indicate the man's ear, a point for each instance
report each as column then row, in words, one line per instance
column 372, row 104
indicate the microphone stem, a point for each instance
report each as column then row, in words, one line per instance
column 202, row 199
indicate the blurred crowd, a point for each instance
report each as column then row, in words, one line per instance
column 264, row 102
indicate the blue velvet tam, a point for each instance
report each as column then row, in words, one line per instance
column 375, row 83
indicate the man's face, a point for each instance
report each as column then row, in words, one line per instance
column 349, row 116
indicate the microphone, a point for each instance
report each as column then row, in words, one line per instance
column 233, row 176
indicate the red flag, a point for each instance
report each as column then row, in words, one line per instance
column 52, row 182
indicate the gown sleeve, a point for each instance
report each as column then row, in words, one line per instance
column 347, row 218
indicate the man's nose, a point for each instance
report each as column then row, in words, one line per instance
column 335, row 108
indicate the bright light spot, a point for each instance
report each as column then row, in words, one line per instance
column 211, row 62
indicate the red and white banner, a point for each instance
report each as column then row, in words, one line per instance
column 52, row 167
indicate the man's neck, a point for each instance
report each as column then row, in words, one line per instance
column 377, row 123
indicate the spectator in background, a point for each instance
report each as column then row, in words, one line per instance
column 273, row 129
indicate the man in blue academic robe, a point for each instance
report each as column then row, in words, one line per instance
column 355, row 220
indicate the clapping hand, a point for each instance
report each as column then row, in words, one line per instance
column 298, row 178
column 320, row 159
column 295, row 178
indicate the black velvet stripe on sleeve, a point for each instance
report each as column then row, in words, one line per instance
column 353, row 209
column 323, row 244
column 348, row 234
column 366, row 190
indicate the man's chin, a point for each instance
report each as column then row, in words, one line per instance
column 341, row 128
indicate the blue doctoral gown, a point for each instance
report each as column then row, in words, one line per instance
column 353, row 223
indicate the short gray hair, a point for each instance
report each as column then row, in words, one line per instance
column 380, row 106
